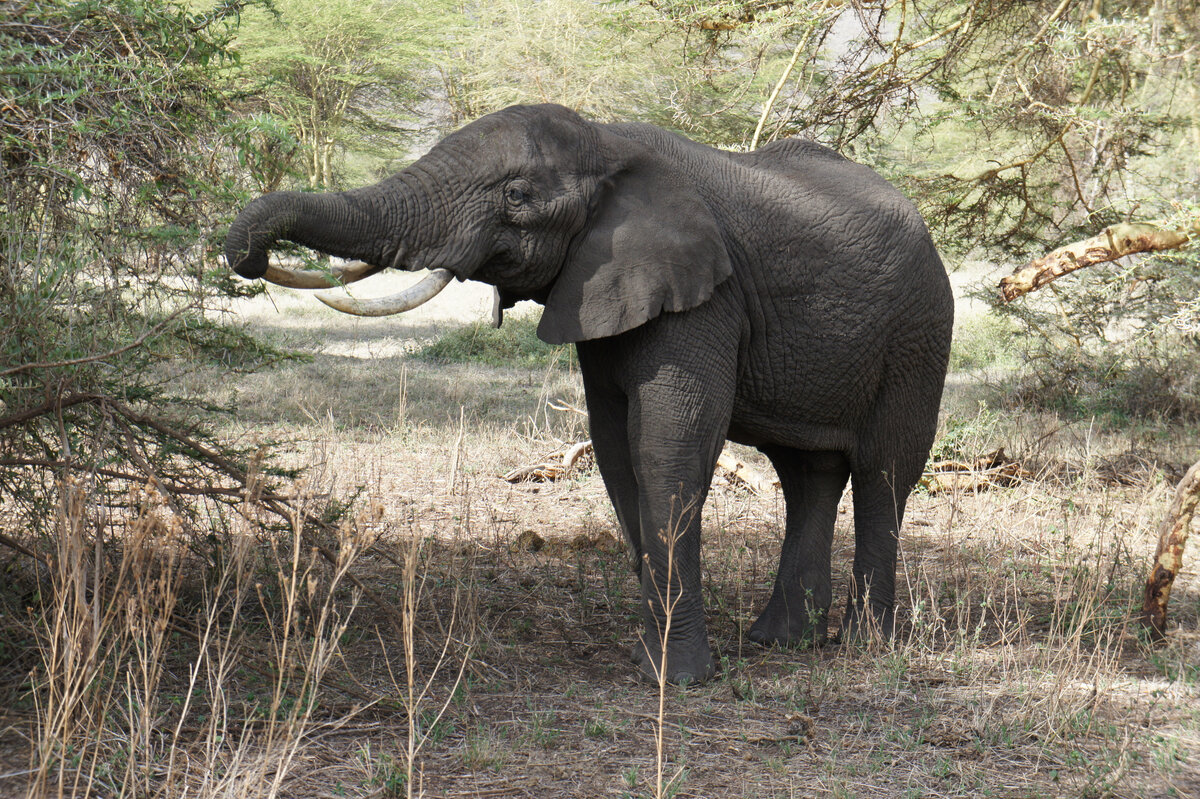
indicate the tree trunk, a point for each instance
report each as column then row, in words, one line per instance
column 1168, row 558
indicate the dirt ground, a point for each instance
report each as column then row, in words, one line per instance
column 472, row 637
column 1016, row 671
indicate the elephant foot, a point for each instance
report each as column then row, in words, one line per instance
column 777, row 627
column 686, row 665
column 863, row 624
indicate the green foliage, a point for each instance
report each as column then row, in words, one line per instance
column 329, row 77
column 515, row 343
column 1132, row 380
column 985, row 341
column 1121, row 341
column 1066, row 99
column 964, row 438
column 648, row 62
column 108, row 220
column 596, row 58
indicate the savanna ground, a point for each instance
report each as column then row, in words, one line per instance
column 471, row 636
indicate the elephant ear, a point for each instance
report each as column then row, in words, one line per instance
column 651, row 245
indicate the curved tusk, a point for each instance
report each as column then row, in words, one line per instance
column 405, row 300
column 319, row 278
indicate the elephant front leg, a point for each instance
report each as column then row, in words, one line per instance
column 608, row 419
column 675, row 449
column 672, row 606
column 798, row 610
column 678, row 398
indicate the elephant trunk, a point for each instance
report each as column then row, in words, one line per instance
column 362, row 224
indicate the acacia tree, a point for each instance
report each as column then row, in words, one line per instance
column 337, row 76
column 1016, row 126
column 116, row 157
column 597, row 59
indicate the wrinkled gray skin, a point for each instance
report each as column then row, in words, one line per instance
column 785, row 298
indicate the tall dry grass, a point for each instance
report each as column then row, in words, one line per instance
column 141, row 690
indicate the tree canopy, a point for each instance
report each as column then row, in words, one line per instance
column 132, row 130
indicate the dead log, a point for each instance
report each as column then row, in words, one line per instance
column 557, row 466
column 1168, row 558
column 1114, row 242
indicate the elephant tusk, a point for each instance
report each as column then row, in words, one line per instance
column 406, row 300
column 319, row 278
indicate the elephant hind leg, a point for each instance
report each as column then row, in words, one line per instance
column 893, row 447
column 812, row 485
column 880, row 498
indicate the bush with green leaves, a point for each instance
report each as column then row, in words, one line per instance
column 513, row 344
column 1116, row 340
column 116, row 157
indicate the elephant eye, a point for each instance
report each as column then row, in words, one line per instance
column 516, row 195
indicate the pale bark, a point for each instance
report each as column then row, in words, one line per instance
column 557, row 466
column 739, row 472
column 995, row 469
column 1168, row 558
column 1114, row 242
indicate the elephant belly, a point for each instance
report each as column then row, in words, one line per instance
column 757, row 428
column 815, row 395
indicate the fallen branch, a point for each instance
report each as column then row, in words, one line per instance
column 561, row 463
column 1116, row 241
column 1168, row 558
column 738, row 472
column 562, row 405
column 557, row 466
column 988, row 471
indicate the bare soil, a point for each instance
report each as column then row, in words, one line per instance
column 1017, row 670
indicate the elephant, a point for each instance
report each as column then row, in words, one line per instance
column 785, row 298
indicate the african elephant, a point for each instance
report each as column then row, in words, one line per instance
column 785, row 298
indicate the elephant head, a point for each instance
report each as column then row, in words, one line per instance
column 534, row 200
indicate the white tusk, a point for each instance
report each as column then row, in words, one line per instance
column 406, row 300
column 318, row 278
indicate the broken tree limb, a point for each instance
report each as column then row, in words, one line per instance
column 995, row 469
column 557, row 466
column 560, row 464
column 1114, row 242
column 739, row 472
column 1168, row 558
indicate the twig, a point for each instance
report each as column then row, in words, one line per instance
column 50, row 405
column 12, row 543
column 769, row 105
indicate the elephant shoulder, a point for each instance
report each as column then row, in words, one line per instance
column 784, row 152
column 675, row 147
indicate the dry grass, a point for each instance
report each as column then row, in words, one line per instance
column 1015, row 672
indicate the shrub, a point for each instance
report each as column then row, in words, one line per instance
column 515, row 343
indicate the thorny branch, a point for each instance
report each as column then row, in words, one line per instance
column 209, row 468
